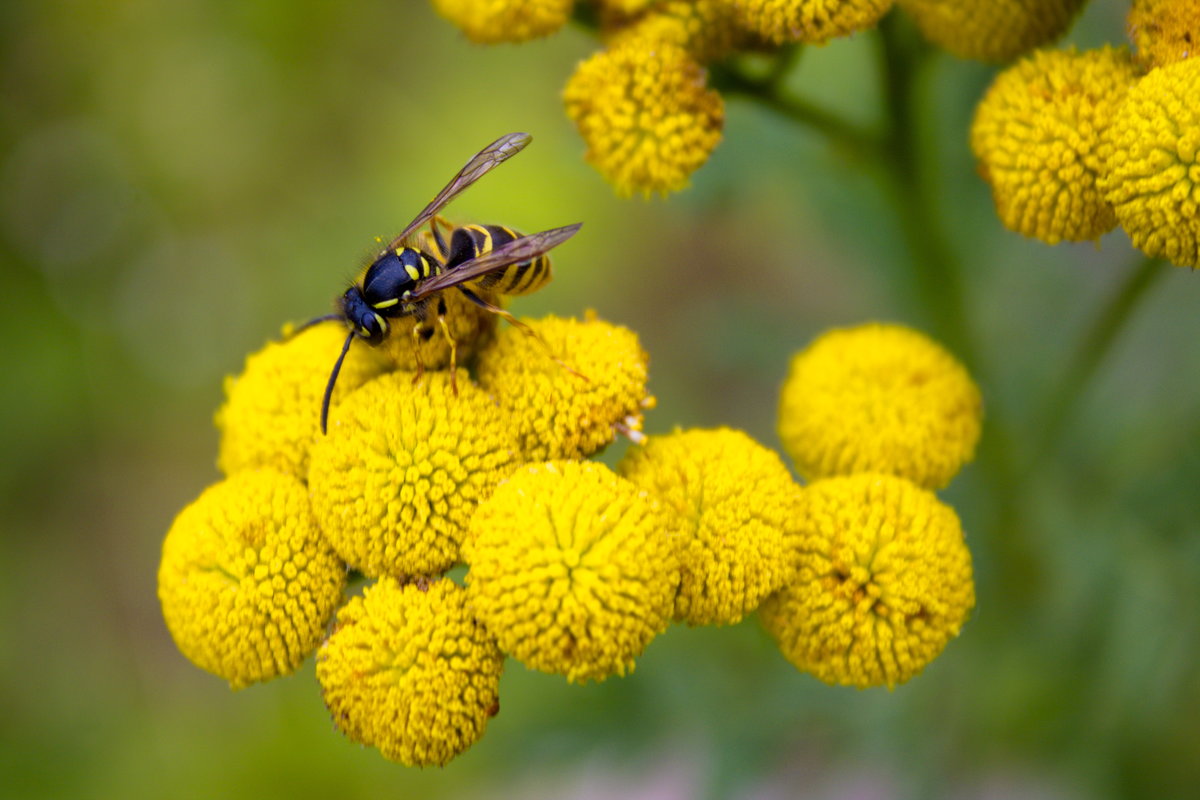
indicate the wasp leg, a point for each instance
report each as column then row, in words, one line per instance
column 439, row 240
column 479, row 301
column 416, row 343
column 441, row 317
column 628, row 428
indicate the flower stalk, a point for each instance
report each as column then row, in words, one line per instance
column 1093, row 349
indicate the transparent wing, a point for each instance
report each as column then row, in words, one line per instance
column 480, row 164
column 516, row 251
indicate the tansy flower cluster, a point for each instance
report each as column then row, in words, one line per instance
column 991, row 30
column 1076, row 143
column 642, row 103
column 572, row 568
column 254, row 571
column 649, row 117
column 875, row 417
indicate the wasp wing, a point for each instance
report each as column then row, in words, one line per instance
column 480, row 164
column 514, row 252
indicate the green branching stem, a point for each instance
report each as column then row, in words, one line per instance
column 1097, row 343
column 894, row 157
column 731, row 80
column 936, row 272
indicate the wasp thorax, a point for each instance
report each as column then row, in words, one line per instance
column 392, row 276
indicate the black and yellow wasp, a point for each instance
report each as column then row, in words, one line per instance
column 404, row 279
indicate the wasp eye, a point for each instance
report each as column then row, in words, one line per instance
column 373, row 328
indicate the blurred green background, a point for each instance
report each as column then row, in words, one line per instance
column 178, row 179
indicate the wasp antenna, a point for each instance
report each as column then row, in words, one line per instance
column 337, row 367
column 313, row 321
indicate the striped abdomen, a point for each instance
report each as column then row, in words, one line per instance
column 470, row 241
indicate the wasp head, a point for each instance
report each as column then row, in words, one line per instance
column 366, row 323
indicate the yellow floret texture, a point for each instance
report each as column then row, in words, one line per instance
column 707, row 29
column 808, row 21
column 883, row 582
column 554, row 412
column 403, row 468
column 735, row 504
column 422, row 343
column 272, row 411
column 246, row 581
column 1037, row 137
column 1164, row 31
column 646, row 116
column 626, row 8
column 492, row 21
column 1152, row 173
column 572, row 569
column 991, row 30
column 880, row 398
column 408, row 671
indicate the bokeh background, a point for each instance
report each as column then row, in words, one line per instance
column 179, row 179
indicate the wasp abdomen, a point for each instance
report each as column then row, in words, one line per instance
column 472, row 241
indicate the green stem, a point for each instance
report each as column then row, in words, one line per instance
column 1096, row 345
column 730, row 79
column 935, row 270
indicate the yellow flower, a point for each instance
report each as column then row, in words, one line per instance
column 272, row 410
column 809, row 21
column 737, row 505
column 572, row 569
column 408, row 671
column 397, row 479
column 647, row 118
column 470, row 326
column 246, row 581
column 1152, row 173
column 492, row 21
column 991, row 30
column 884, row 582
column 1037, row 136
column 707, row 29
column 879, row 398
column 557, row 414
column 1164, row 31
column 627, row 8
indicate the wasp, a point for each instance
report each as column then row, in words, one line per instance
column 405, row 278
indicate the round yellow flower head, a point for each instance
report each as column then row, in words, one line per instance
column 493, row 21
column 991, row 30
column 736, row 503
column 553, row 412
column 246, row 581
column 408, row 671
column 647, row 118
column 414, row 344
column 884, row 582
column 809, row 21
column 879, row 398
column 397, row 479
column 1152, row 172
column 625, row 8
column 707, row 29
column 1037, row 135
column 272, row 411
column 1164, row 31
column 572, row 569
